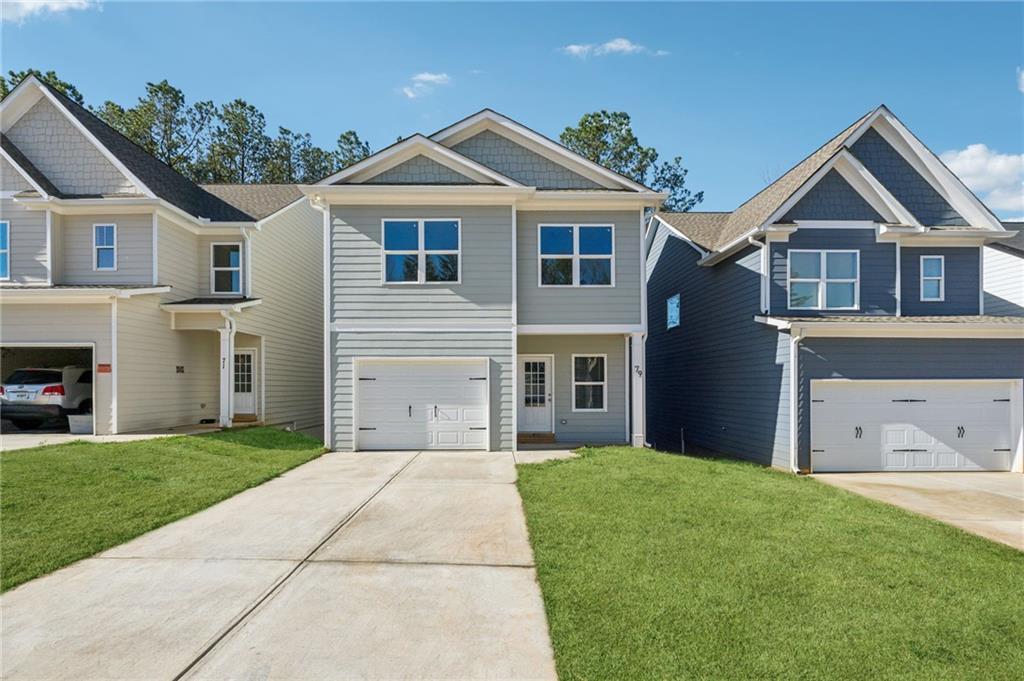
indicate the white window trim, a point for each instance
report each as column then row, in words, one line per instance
column 421, row 253
column 603, row 384
column 679, row 311
column 941, row 279
column 575, row 256
column 823, row 279
column 10, row 269
column 96, row 248
column 214, row 270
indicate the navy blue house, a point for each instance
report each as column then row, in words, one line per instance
column 836, row 321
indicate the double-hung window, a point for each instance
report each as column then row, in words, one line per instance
column 104, row 246
column 589, row 382
column 933, row 278
column 576, row 255
column 422, row 251
column 824, row 280
column 226, row 268
column 5, row 250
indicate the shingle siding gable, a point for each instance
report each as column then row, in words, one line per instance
column 420, row 170
column 832, row 198
column 521, row 164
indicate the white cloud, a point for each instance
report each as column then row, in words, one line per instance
column 1020, row 79
column 423, row 84
column 613, row 46
column 997, row 178
column 17, row 11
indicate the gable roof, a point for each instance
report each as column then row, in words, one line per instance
column 21, row 161
column 702, row 228
column 256, row 200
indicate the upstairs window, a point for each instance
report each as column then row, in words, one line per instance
column 226, row 268
column 589, row 382
column 672, row 312
column 104, row 246
column 576, row 255
column 5, row 250
column 422, row 251
column 933, row 278
column 824, row 280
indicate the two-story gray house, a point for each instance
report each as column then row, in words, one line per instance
column 190, row 304
column 837, row 320
column 483, row 286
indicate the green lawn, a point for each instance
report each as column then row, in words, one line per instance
column 655, row 566
column 64, row 502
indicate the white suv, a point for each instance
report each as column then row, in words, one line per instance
column 29, row 397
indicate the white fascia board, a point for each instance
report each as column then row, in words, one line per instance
column 672, row 232
column 132, row 292
column 902, row 329
column 21, row 171
column 740, row 242
column 584, row 200
column 548, row 148
column 18, row 101
column 396, row 195
column 280, row 211
column 873, row 191
column 577, row 329
column 209, row 307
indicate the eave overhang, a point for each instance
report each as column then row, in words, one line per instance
column 899, row 327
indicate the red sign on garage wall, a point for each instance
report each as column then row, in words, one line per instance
column 103, row 368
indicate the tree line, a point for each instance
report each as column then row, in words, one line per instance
column 230, row 143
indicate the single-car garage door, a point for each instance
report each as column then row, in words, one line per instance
column 931, row 425
column 422, row 404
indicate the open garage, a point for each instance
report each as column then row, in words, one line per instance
column 42, row 385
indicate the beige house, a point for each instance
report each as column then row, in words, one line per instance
column 192, row 304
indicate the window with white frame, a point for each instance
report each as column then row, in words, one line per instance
column 672, row 312
column 104, row 246
column 933, row 278
column 589, row 382
column 576, row 255
column 5, row 250
column 226, row 268
column 422, row 251
column 824, row 280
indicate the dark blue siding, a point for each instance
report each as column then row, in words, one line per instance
column 900, row 358
column 719, row 375
column 963, row 281
column 832, row 199
column 903, row 182
column 877, row 269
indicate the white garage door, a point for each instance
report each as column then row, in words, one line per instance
column 911, row 426
column 435, row 404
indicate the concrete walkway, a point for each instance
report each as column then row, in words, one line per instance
column 11, row 438
column 987, row 504
column 383, row 565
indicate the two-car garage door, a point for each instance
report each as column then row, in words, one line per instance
column 933, row 425
column 422, row 404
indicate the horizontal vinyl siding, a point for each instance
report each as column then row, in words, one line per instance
column 177, row 258
column 73, row 323
column 583, row 305
column 152, row 394
column 287, row 276
column 134, row 249
column 900, row 358
column 1004, row 282
column 204, row 254
column 495, row 345
column 719, row 375
column 360, row 298
column 877, row 269
column 589, row 427
column 27, row 242
column 962, row 281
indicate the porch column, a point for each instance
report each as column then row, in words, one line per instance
column 227, row 371
column 638, row 358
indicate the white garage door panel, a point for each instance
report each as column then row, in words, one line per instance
column 420, row 404
column 911, row 426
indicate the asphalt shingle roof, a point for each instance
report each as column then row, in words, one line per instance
column 28, row 166
column 703, row 228
column 257, row 200
column 1016, row 243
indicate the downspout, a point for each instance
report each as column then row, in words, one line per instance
column 794, row 398
column 764, row 271
column 317, row 203
column 227, row 369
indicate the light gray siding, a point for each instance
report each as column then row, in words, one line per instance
column 877, row 269
column 900, row 358
column 28, row 257
column 521, row 164
column 134, row 249
column 1004, row 281
column 204, row 255
column 178, row 260
column 497, row 346
column 719, row 376
column 420, row 170
column 359, row 296
column 582, row 305
column 962, row 286
column 589, row 427
column 11, row 180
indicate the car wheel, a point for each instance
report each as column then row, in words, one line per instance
column 26, row 425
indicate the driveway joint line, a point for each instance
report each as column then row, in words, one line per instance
column 435, row 563
column 276, row 587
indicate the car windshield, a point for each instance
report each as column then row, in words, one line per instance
column 33, row 377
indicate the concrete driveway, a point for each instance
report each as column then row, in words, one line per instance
column 987, row 504
column 384, row 565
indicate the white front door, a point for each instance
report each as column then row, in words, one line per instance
column 536, row 384
column 245, row 382
column 422, row 404
column 928, row 425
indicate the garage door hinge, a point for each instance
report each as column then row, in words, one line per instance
column 817, row 400
column 475, row 378
column 910, row 400
column 367, row 379
column 1004, row 399
column 361, row 428
column 817, row 450
column 477, row 428
column 1001, row 450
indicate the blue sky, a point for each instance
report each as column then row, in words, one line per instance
column 741, row 91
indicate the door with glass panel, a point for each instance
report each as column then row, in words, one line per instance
column 536, row 384
column 245, row 382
